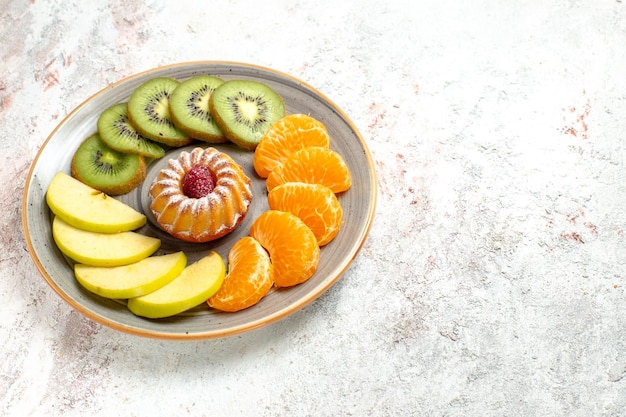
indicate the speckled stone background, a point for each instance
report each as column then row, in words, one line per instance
column 492, row 282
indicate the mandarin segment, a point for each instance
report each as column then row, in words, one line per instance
column 313, row 165
column 292, row 246
column 315, row 204
column 291, row 133
column 250, row 277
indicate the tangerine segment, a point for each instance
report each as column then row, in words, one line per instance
column 292, row 246
column 313, row 165
column 250, row 277
column 315, row 204
column 287, row 135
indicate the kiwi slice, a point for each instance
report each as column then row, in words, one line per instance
column 245, row 109
column 189, row 108
column 105, row 169
column 149, row 112
column 116, row 131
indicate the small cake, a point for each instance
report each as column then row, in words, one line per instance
column 200, row 196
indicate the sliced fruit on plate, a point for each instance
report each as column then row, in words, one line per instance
column 245, row 109
column 315, row 204
column 195, row 284
column 313, row 165
column 133, row 280
column 86, row 208
column 103, row 168
column 291, row 133
column 189, row 108
column 149, row 112
column 291, row 244
column 250, row 277
column 118, row 133
column 102, row 249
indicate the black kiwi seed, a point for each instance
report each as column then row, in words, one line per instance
column 189, row 108
column 245, row 110
column 105, row 169
column 252, row 124
column 149, row 112
column 118, row 133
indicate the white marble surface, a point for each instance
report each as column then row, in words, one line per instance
column 492, row 283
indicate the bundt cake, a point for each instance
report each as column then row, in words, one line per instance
column 200, row 196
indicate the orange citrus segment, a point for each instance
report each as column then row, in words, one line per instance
column 250, row 277
column 315, row 204
column 289, row 134
column 291, row 244
column 313, row 165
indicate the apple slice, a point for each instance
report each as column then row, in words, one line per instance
column 132, row 280
column 102, row 249
column 86, row 208
column 196, row 284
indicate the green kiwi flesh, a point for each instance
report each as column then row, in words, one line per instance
column 189, row 108
column 149, row 112
column 105, row 169
column 245, row 109
column 116, row 131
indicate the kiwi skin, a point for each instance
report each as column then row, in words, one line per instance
column 221, row 105
column 93, row 147
column 189, row 108
column 153, row 96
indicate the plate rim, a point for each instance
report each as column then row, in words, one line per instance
column 235, row 330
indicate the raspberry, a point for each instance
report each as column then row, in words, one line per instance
column 198, row 182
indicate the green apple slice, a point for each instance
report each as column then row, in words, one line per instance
column 86, row 208
column 102, row 249
column 196, row 284
column 132, row 280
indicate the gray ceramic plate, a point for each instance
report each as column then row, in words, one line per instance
column 201, row 322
